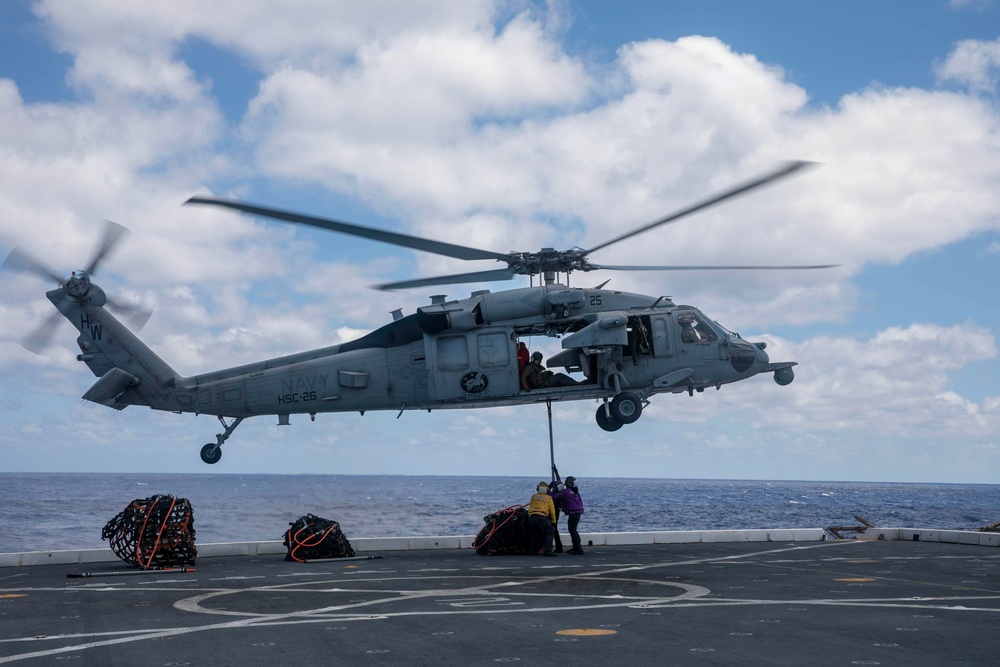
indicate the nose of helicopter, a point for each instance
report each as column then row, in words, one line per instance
column 748, row 358
column 760, row 361
column 762, row 358
column 783, row 373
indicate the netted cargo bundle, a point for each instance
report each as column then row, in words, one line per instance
column 312, row 537
column 505, row 532
column 153, row 533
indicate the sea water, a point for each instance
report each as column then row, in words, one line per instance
column 51, row 511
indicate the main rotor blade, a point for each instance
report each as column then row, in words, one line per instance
column 786, row 170
column 113, row 233
column 712, row 268
column 458, row 279
column 395, row 238
column 41, row 336
column 19, row 260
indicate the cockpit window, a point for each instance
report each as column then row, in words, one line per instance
column 695, row 328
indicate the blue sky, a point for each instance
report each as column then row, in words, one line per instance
column 829, row 48
column 512, row 126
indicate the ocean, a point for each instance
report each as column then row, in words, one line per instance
column 51, row 511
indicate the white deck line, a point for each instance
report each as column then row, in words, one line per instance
column 366, row 545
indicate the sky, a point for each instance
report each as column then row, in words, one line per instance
column 515, row 126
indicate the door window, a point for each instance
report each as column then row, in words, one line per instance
column 494, row 350
column 452, row 353
column 661, row 344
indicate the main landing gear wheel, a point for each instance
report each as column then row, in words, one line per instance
column 606, row 422
column 626, row 407
column 211, row 453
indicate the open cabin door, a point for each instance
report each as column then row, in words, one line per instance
column 472, row 364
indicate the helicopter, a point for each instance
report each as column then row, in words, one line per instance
column 448, row 354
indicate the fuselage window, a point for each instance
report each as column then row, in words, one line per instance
column 452, row 353
column 494, row 350
column 660, row 339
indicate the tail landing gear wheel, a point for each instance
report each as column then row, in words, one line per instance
column 626, row 407
column 606, row 422
column 211, row 453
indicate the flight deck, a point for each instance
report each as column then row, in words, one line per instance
column 901, row 601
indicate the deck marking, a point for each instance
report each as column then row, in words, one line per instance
column 693, row 596
column 587, row 632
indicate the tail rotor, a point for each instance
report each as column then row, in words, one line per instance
column 76, row 286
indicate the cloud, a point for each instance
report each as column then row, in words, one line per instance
column 897, row 382
column 304, row 30
column 976, row 5
column 894, row 180
column 516, row 141
column 974, row 64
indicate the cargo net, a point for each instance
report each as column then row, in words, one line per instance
column 153, row 533
column 312, row 538
column 505, row 532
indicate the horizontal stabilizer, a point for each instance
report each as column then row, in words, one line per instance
column 110, row 386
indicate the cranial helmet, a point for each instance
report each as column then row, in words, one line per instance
column 542, row 487
column 571, row 482
column 536, row 355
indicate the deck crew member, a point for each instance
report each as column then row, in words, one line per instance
column 571, row 502
column 542, row 519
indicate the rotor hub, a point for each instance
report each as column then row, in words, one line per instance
column 549, row 260
column 77, row 285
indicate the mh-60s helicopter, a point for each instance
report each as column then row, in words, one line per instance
column 448, row 354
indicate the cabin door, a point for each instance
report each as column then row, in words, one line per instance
column 474, row 364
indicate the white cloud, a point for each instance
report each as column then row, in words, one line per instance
column 974, row 64
column 970, row 4
column 313, row 31
column 404, row 124
column 695, row 117
column 896, row 383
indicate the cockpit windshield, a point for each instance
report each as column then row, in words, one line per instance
column 696, row 328
column 726, row 330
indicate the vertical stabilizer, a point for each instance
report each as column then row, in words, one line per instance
column 130, row 373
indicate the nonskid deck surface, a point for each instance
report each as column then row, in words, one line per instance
column 822, row 603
